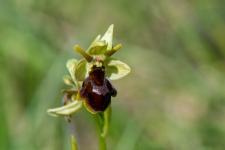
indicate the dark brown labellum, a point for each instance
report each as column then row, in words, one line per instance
column 97, row 90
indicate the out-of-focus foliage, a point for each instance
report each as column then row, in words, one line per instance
column 173, row 99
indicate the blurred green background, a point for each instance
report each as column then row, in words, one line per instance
column 174, row 99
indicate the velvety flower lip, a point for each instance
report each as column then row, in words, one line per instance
column 97, row 90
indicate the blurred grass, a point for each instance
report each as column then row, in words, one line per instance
column 173, row 99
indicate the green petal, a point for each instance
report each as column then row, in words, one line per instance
column 116, row 69
column 71, row 66
column 108, row 37
column 66, row 110
column 81, row 70
column 83, row 53
column 113, row 50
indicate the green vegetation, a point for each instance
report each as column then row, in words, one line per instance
column 173, row 99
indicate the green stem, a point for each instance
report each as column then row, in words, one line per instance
column 73, row 140
column 102, row 143
column 106, row 120
column 73, row 143
column 100, row 123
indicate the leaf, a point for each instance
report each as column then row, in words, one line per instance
column 71, row 66
column 116, row 69
column 66, row 110
column 108, row 37
column 81, row 70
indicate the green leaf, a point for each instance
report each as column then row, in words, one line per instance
column 116, row 69
column 66, row 110
column 71, row 66
column 81, row 70
column 108, row 37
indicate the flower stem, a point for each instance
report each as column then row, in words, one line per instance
column 102, row 143
column 73, row 143
column 100, row 123
column 72, row 130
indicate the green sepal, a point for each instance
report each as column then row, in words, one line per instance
column 108, row 37
column 97, row 48
column 81, row 70
column 66, row 110
column 93, row 43
column 116, row 69
column 71, row 66
column 100, row 45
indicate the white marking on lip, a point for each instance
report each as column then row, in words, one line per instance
column 95, row 90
